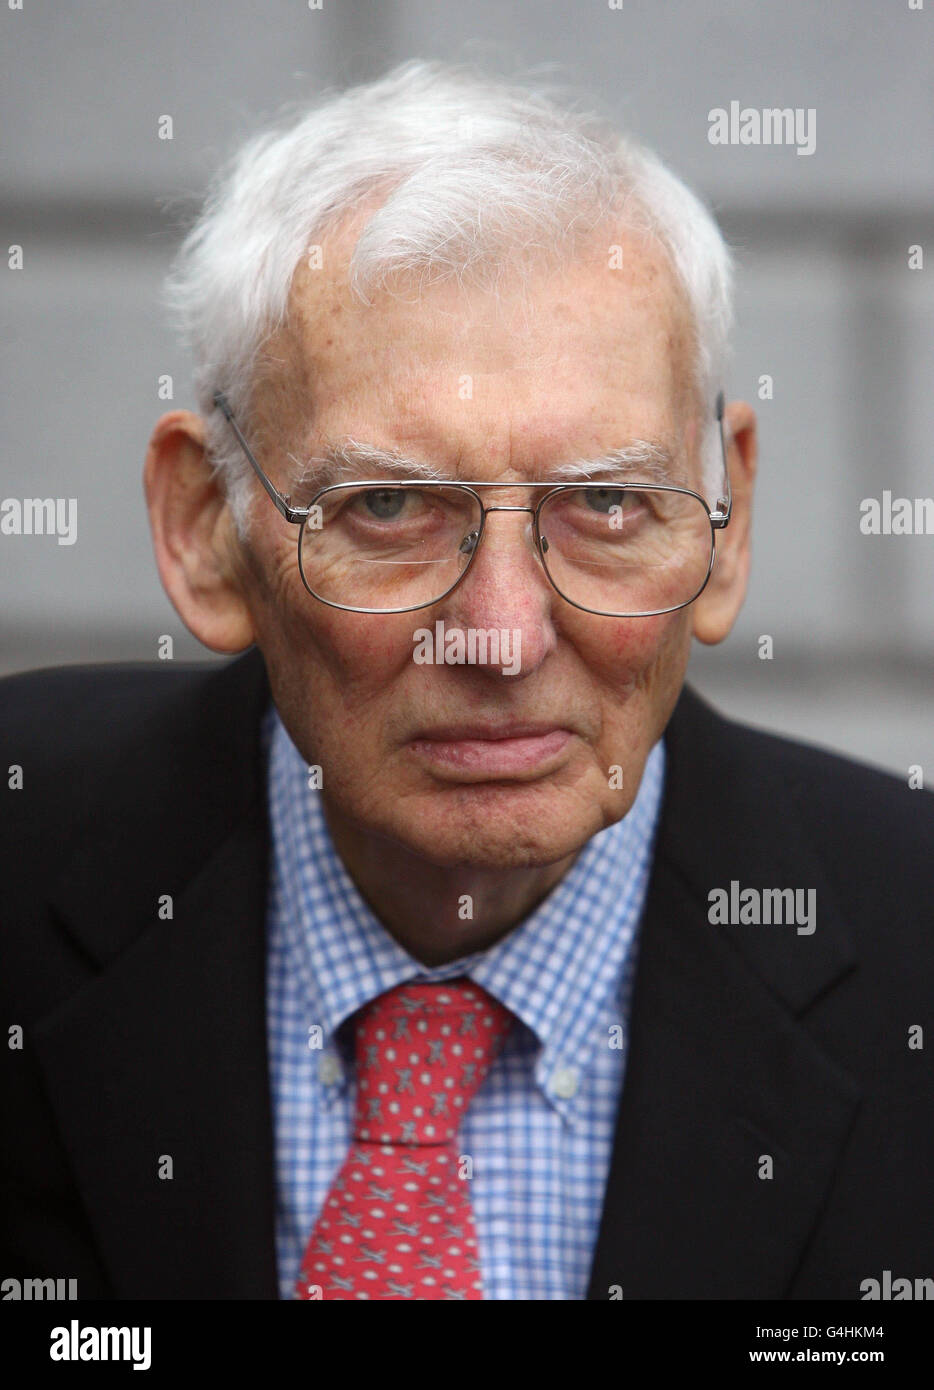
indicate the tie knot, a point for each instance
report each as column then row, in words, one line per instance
column 423, row 1051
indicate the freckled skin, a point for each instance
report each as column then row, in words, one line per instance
column 581, row 362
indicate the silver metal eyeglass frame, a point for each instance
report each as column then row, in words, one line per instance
column 719, row 517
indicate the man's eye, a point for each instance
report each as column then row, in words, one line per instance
column 385, row 504
column 601, row 499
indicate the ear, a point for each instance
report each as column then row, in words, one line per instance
column 193, row 535
column 716, row 610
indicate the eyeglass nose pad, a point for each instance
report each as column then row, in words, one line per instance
column 469, row 544
column 530, row 537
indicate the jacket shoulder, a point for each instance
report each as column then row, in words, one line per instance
column 66, row 718
column 872, row 830
column 132, row 727
column 831, row 787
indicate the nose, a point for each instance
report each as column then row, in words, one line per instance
column 505, row 589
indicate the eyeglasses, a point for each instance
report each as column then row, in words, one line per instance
column 634, row 550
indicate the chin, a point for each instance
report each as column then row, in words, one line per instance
column 499, row 826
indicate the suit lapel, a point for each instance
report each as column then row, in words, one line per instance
column 157, row 1067
column 722, row 1071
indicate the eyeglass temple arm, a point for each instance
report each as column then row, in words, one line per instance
column 282, row 502
column 720, row 517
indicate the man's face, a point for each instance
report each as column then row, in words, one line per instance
column 583, row 363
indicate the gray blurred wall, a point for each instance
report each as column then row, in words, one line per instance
column 828, row 306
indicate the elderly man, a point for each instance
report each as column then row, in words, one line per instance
column 446, row 945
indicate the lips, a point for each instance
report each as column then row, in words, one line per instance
column 455, row 733
column 478, row 752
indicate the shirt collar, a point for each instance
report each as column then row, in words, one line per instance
column 555, row 971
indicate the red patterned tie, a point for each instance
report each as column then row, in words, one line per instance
column 397, row 1222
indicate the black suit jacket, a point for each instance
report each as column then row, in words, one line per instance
column 145, row 1037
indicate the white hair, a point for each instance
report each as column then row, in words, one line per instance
column 473, row 173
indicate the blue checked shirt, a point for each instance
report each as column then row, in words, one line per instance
column 540, row 1130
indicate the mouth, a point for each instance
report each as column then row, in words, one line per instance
column 475, row 752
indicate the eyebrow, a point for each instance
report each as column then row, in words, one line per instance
column 348, row 459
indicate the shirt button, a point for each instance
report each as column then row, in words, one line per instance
column 564, row 1082
column 329, row 1069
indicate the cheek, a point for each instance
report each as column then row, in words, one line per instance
column 641, row 669
column 323, row 658
column 628, row 652
column 307, row 633
column 642, row 666
column 364, row 649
